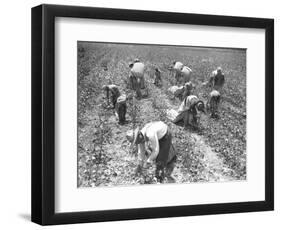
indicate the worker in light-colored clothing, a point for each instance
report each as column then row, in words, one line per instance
column 137, row 74
column 154, row 143
column 112, row 92
column 185, row 74
column 189, row 111
column 177, row 67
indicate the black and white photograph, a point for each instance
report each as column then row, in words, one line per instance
column 141, row 114
column 157, row 114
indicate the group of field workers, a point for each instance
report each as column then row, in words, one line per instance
column 154, row 140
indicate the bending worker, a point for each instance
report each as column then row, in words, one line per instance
column 121, row 108
column 113, row 92
column 189, row 111
column 154, row 143
column 217, row 79
column 213, row 103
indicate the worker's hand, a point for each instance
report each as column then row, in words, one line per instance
column 146, row 164
column 149, row 161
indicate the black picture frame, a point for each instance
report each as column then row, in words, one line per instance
column 43, row 114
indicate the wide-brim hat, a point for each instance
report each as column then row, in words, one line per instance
column 132, row 136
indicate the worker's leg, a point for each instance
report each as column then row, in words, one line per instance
column 138, row 89
column 119, row 112
column 159, row 173
column 163, row 156
column 187, row 119
column 122, row 113
column 114, row 100
column 170, row 167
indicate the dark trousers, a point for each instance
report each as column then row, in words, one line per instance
column 214, row 103
column 133, row 82
column 157, row 79
column 121, row 110
column 114, row 99
column 165, row 158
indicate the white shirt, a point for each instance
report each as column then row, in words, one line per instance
column 186, row 70
column 137, row 69
column 178, row 66
column 152, row 132
column 214, row 93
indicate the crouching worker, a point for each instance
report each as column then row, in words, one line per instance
column 154, row 143
column 111, row 92
column 121, row 109
column 189, row 111
column 213, row 103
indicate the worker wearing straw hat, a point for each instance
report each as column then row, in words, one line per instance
column 154, row 143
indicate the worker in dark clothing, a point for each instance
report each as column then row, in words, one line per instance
column 217, row 79
column 157, row 79
column 213, row 103
column 121, row 109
